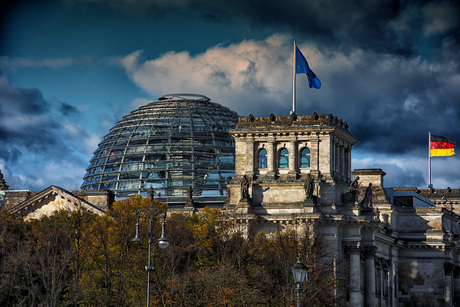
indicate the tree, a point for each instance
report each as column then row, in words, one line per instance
column 37, row 259
column 51, row 258
column 13, row 232
column 81, row 259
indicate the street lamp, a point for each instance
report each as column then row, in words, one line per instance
column 149, row 214
column 299, row 271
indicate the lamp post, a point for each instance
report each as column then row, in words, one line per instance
column 149, row 214
column 299, row 272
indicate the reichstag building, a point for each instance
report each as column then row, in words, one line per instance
column 397, row 246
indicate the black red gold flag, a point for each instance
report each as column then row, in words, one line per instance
column 441, row 146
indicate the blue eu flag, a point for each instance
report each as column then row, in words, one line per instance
column 301, row 66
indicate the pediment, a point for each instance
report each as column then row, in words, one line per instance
column 50, row 200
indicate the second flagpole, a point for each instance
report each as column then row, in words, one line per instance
column 429, row 159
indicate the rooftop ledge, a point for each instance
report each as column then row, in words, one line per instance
column 292, row 120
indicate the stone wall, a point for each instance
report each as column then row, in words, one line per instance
column 13, row 198
column 100, row 199
column 421, row 282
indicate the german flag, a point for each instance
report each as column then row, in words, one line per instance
column 441, row 146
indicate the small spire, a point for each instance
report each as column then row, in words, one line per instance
column 3, row 185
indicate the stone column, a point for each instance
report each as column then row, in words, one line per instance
column 393, row 273
column 457, row 284
column 314, row 153
column 271, row 158
column 332, row 159
column 369, row 274
column 448, row 288
column 250, row 157
column 337, row 158
column 347, row 163
column 341, row 161
column 292, row 157
column 354, row 256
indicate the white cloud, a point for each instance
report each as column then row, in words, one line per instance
column 251, row 76
column 90, row 144
column 261, row 70
column 70, row 127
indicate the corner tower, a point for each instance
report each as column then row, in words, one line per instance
column 291, row 162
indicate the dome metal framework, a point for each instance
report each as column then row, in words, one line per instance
column 181, row 141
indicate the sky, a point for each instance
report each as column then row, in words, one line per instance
column 70, row 69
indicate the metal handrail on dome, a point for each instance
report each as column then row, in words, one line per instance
column 184, row 96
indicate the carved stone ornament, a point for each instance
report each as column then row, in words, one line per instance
column 245, row 188
column 366, row 203
column 351, row 247
column 309, row 186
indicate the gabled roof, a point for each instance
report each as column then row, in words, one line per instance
column 50, row 200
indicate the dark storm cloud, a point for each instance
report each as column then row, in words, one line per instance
column 10, row 154
column 68, row 110
column 397, row 27
column 27, row 124
column 23, row 117
column 389, row 101
column 391, row 26
column 399, row 177
column 362, row 23
column 38, row 140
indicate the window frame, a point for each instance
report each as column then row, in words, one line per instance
column 259, row 158
column 301, row 165
column 283, row 155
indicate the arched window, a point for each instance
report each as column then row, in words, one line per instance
column 305, row 158
column 262, row 158
column 283, row 158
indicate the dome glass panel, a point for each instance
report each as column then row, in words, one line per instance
column 167, row 146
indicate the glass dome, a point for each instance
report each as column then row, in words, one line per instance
column 178, row 142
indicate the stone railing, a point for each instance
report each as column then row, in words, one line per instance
column 291, row 121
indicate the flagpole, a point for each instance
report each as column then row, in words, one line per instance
column 429, row 159
column 293, row 82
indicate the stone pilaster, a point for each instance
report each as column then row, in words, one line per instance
column 369, row 274
column 250, row 157
column 271, row 158
column 352, row 249
column 456, row 276
column 292, row 157
column 314, row 153
column 348, row 164
column 449, row 284
column 341, row 162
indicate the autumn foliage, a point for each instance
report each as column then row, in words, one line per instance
column 81, row 259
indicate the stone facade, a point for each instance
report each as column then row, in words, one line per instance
column 396, row 246
column 278, row 182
